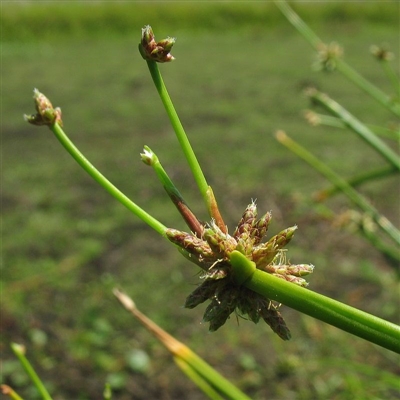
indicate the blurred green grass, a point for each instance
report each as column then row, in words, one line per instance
column 66, row 243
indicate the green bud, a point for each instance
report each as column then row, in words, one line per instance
column 148, row 157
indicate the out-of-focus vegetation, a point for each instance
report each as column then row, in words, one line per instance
column 238, row 76
column 41, row 20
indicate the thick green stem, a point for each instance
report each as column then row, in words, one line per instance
column 104, row 182
column 179, row 131
column 347, row 318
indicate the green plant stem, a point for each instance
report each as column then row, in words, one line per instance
column 394, row 79
column 104, row 182
column 19, row 351
column 179, row 131
column 179, row 350
column 381, row 172
column 341, row 65
column 150, row 158
column 197, row 379
column 8, row 391
column 357, row 126
column 347, row 318
column 392, row 252
column 341, row 183
column 336, row 122
column 368, row 87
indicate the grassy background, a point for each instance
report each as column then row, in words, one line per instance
column 239, row 76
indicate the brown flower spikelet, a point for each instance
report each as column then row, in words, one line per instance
column 212, row 251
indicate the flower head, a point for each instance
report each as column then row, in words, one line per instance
column 46, row 113
column 156, row 51
column 212, row 252
column 382, row 52
column 327, row 56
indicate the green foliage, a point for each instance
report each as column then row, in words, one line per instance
column 42, row 20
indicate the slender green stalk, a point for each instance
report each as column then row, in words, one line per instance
column 104, row 182
column 107, row 393
column 9, row 391
column 341, row 183
column 19, row 351
column 347, row 318
column 357, row 180
column 151, row 159
column 179, row 131
column 197, row 379
column 181, row 351
column 316, row 119
column 220, row 383
column 394, row 79
column 357, row 126
column 341, row 65
column 392, row 253
column 372, row 90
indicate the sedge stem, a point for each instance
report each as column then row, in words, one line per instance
column 333, row 312
column 179, row 131
column 342, row 184
column 19, row 351
column 104, row 182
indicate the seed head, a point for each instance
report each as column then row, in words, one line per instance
column 212, row 252
column 46, row 113
column 155, row 51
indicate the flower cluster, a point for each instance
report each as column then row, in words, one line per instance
column 212, row 251
column 382, row 53
column 327, row 56
column 156, row 51
column 46, row 113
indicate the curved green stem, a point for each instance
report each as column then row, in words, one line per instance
column 347, row 318
column 178, row 128
column 104, row 182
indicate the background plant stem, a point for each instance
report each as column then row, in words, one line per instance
column 342, row 184
column 341, row 65
column 356, row 126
